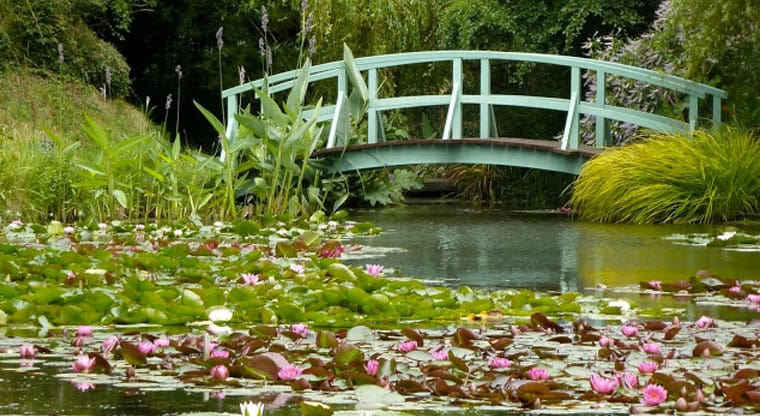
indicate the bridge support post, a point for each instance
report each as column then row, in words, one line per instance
column 485, row 90
column 693, row 112
column 372, row 115
column 602, row 125
column 457, row 80
column 716, row 111
column 570, row 138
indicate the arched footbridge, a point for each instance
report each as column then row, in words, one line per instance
column 358, row 80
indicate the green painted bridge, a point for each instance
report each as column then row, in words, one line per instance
column 361, row 77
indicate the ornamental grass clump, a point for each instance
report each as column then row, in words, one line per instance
column 666, row 178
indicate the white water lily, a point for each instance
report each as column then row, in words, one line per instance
column 726, row 235
column 620, row 303
column 251, row 409
column 220, row 314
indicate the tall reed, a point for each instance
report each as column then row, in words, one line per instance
column 712, row 177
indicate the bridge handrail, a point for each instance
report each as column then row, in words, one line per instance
column 574, row 105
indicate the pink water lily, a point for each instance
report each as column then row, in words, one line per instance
column 655, row 284
column 735, row 289
column 654, row 394
column 109, row 344
column 83, row 364
column 220, row 354
column 371, row 367
column 27, row 351
column 84, row 331
column 300, row 329
column 538, row 373
column 374, row 269
column 648, row 367
column 146, row 347
column 651, row 348
column 161, row 342
column 603, row 385
column 499, row 362
column 628, row 380
column 297, row 268
column 250, row 278
column 630, row 330
column 407, row 346
column 81, row 386
column 219, row 372
column 289, row 372
column 439, row 355
column 754, row 298
column 705, row 322
column 605, row 342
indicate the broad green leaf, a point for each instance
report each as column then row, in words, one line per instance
column 126, row 144
column 176, row 148
column 215, row 123
column 298, row 91
column 121, row 197
column 93, row 168
column 97, row 133
column 155, row 174
column 354, row 74
column 270, row 109
column 297, row 134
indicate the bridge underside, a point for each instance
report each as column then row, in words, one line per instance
column 535, row 154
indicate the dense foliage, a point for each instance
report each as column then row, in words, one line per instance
column 673, row 179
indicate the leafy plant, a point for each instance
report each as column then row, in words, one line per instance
column 673, row 179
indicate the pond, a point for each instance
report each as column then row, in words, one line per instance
column 446, row 246
column 453, row 245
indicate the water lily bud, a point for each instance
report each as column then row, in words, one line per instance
column 537, row 403
column 699, row 396
column 681, row 404
column 131, row 373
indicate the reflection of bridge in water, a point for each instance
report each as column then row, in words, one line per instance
column 565, row 155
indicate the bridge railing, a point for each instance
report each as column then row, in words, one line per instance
column 574, row 105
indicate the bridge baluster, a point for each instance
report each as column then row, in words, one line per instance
column 693, row 112
column 716, row 109
column 372, row 114
column 485, row 90
column 457, row 80
column 602, row 126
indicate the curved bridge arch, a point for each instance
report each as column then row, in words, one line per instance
column 567, row 155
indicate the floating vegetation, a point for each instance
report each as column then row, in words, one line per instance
column 728, row 240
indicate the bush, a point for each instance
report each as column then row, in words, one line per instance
column 673, row 179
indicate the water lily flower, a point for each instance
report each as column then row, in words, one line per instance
column 84, row 331
column 651, row 348
column 177, row 233
column 289, row 372
column 654, row 394
column 146, row 347
column 407, row 346
column 219, row 315
column 630, row 330
column 300, row 329
column 373, row 269
column 250, row 409
column 220, row 372
column 102, row 226
column 605, row 342
column 333, row 252
column 603, row 385
column 704, row 322
column 620, row 303
column 754, row 298
column 735, row 289
column 109, row 344
column 81, row 386
column 297, row 268
column 648, row 367
column 15, row 224
column 250, row 278
column 538, row 373
column 27, row 351
column 83, row 364
column 69, row 230
column 223, row 354
column 499, row 362
column 726, row 235
column 655, row 284
column 628, row 380
column 371, row 367
column 161, row 342
column 439, row 354
column 140, row 227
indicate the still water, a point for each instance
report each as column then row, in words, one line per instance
column 454, row 246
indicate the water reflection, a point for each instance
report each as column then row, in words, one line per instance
column 497, row 249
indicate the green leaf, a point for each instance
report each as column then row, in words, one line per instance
column 91, row 167
column 270, row 109
column 298, row 91
column 121, row 197
column 132, row 354
column 215, row 123
column 354, row 74
column 126, row 144
column 97, row 133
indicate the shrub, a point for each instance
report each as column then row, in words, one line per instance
column 673, row 179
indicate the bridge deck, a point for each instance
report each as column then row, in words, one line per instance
column 545, row 145
column 538, row 154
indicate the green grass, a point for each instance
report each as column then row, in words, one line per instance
column 712, row 177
